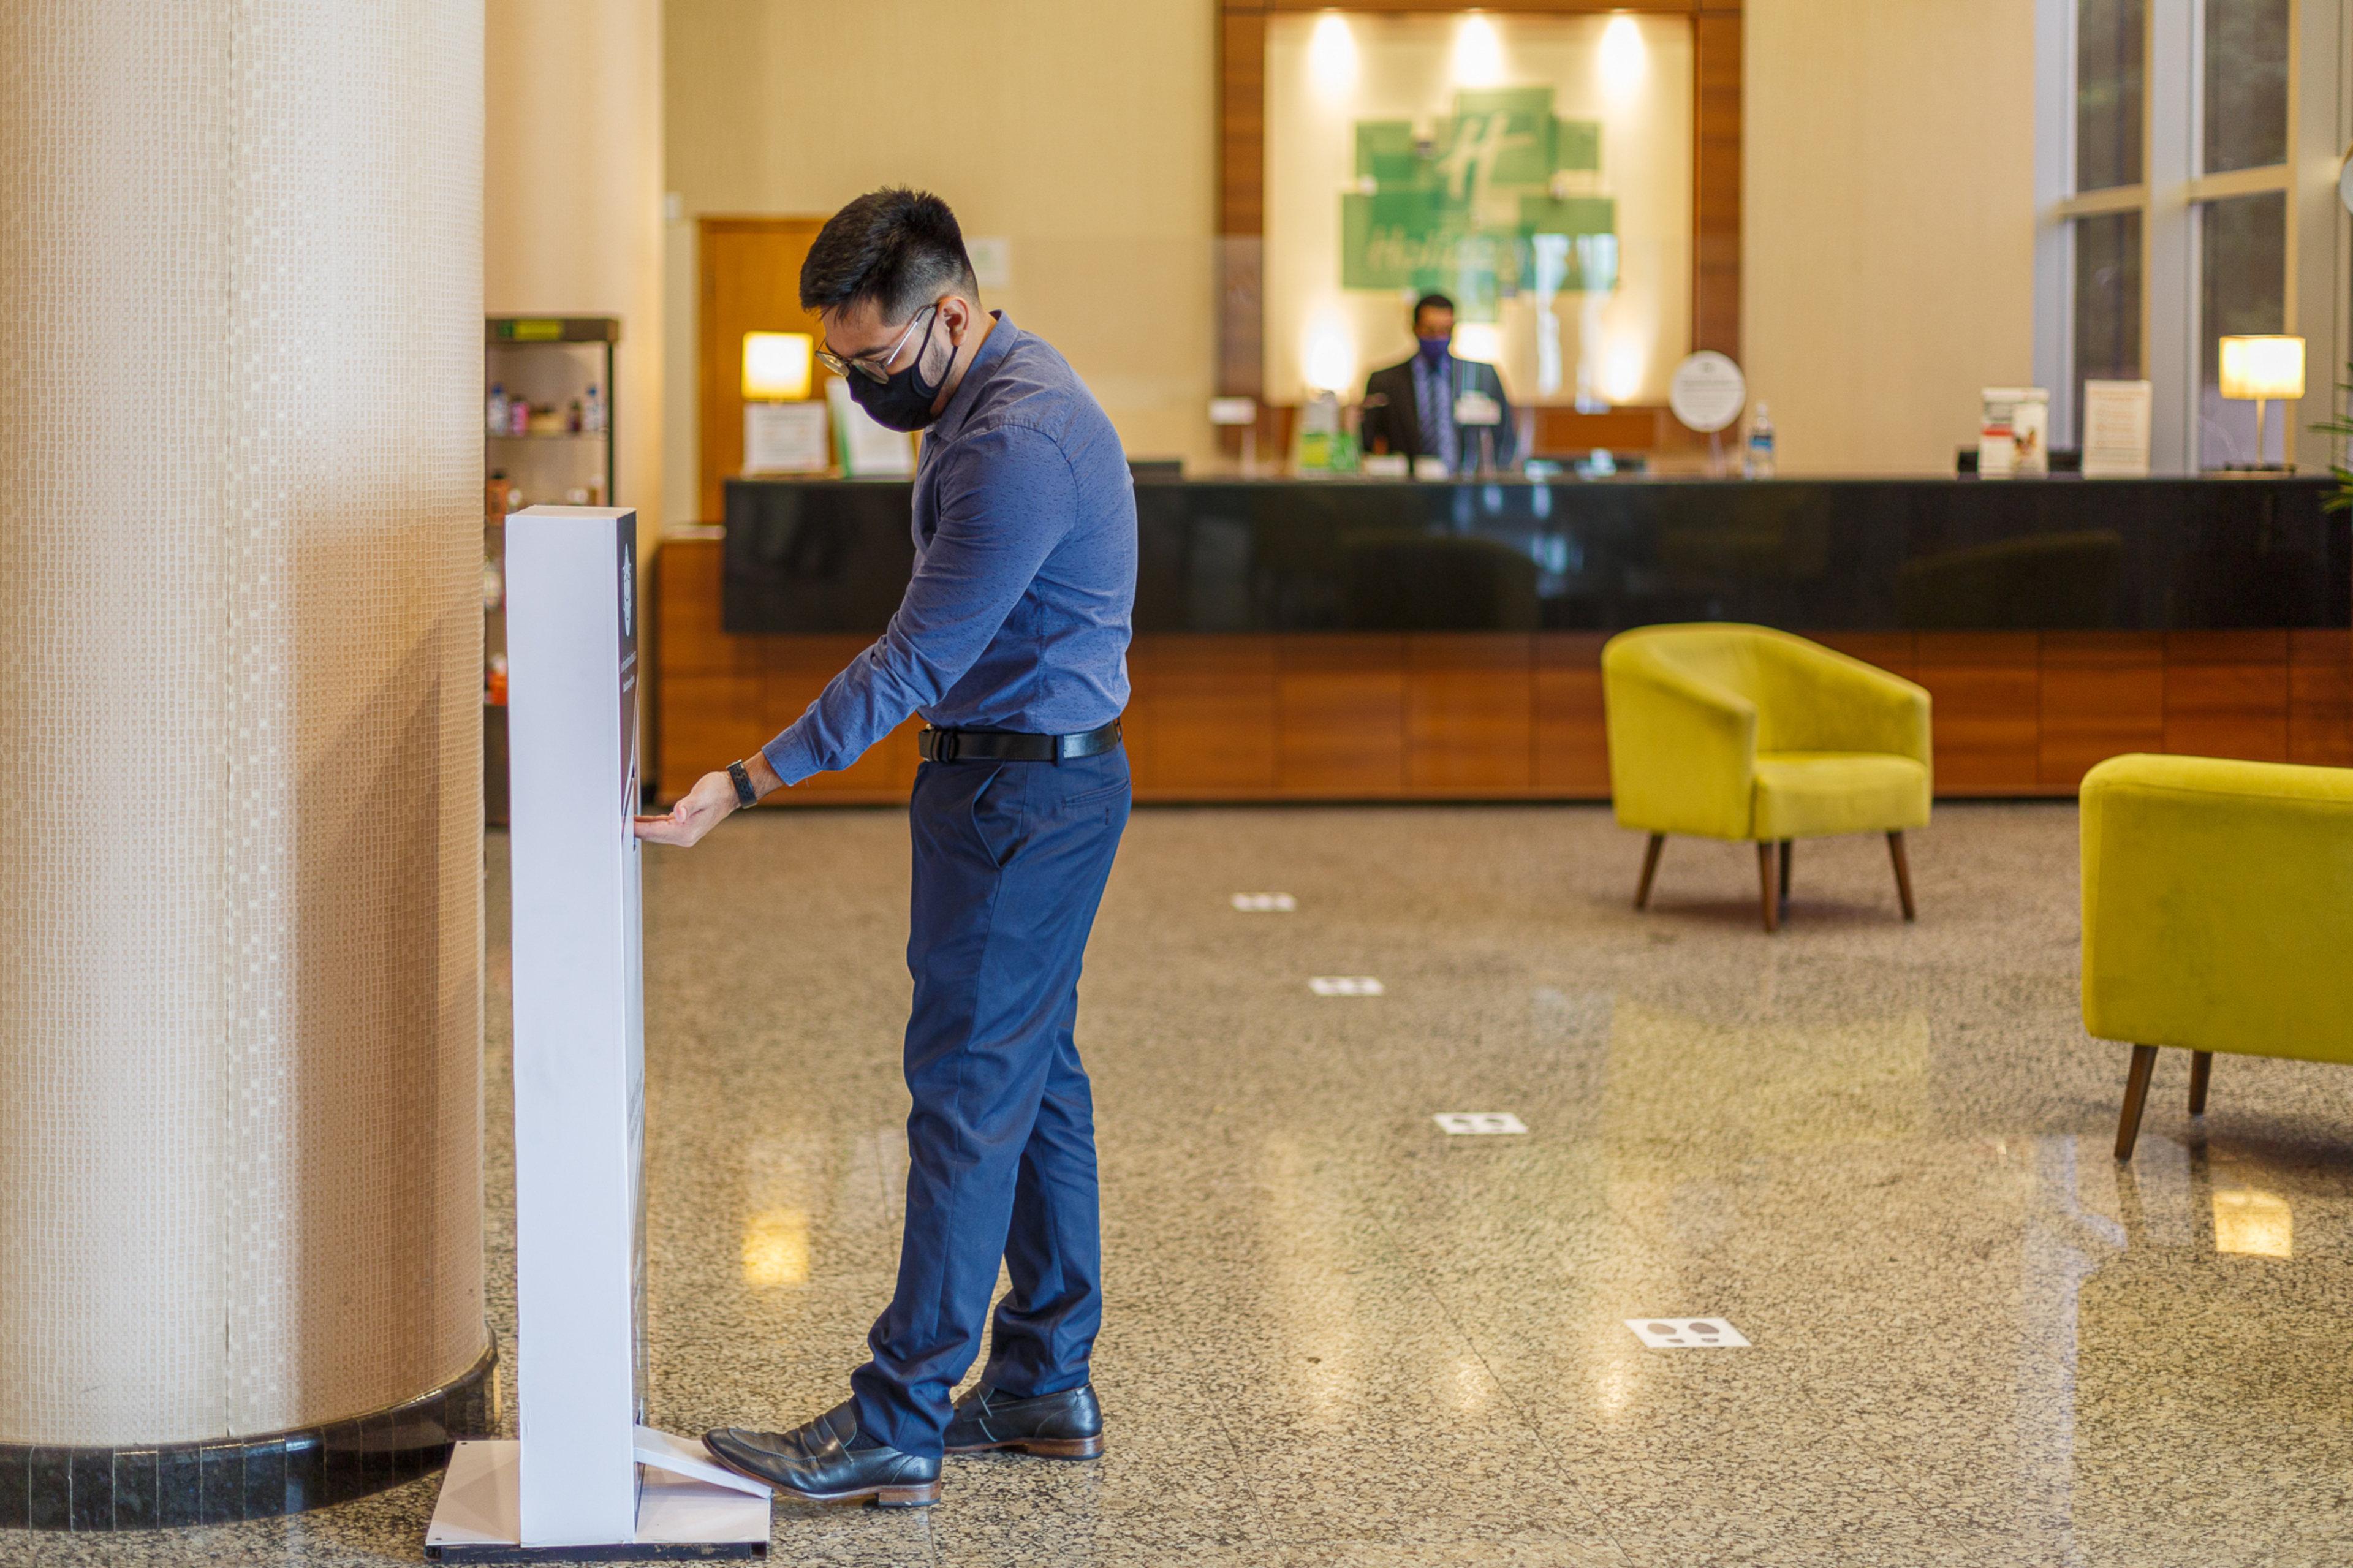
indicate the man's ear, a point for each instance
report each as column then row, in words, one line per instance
column 961, row 313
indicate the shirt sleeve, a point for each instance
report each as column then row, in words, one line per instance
column 1005, row 498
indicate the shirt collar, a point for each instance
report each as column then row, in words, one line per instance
column 984, row 363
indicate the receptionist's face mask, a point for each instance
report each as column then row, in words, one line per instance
column 902, row 399
column 1433, row 329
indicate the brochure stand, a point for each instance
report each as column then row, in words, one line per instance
column 589, row 1482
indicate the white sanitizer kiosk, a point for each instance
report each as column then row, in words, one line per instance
column 588, row 1480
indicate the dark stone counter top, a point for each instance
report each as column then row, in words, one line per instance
column 1923, row 554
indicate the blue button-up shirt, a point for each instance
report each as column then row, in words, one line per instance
column 1018, row 614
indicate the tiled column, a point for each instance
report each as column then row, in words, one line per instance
column 240, row 924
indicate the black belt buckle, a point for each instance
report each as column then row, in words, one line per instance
column 942, row 748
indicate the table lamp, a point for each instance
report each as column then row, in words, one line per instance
column 2263, row 368
column 776, row 366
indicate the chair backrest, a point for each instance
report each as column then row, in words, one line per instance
column 1774, row 670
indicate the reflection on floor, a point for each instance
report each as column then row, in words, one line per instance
column 1338, row 1334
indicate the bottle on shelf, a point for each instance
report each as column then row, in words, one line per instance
column 575, row 419
column 519, row 417
column 1758, row 462
column 592, row 411
column 496, row 417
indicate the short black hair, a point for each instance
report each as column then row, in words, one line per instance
column 1426, row 302
column 900, row 248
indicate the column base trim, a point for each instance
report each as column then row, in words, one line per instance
column 169, row 1485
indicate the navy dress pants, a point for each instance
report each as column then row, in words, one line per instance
column 1010, row 860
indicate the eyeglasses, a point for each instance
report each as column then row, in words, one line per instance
column 876, row 366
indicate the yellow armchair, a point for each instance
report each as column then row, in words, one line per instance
column 1723, row 730
column 2218, row 915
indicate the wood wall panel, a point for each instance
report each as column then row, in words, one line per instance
column 1242, row 201
column 2321, row 698
column 1572, row 738
column 2103, row 694
column 1203, row 715
column 1985, row 686
column 1340, row 714
column 749, row 277
column 1470, row 712
column 2226, row 694
column 1716, row 182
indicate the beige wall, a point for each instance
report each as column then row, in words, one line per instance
column 572, row 183
column 1889, row 211
column 1084, row 130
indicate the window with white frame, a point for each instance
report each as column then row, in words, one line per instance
column 2187, row 153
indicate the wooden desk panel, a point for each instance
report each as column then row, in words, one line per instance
column 2103, row 694
column 1202, row 718
column 1572, row 736
column 1469, row 714
column 1986, row 687
column 2226, row 694
column 798, row 672
column 1350, row 716
column 2321, row 698
column 687, row 638
column 1340, row 714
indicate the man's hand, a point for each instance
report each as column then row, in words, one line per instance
column 705, row 806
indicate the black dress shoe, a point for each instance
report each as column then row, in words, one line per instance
column 1066, row 1426
column 817, row 1464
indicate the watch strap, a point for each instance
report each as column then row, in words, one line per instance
column 744, row 793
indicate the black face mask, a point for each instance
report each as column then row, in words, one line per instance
column 903, row 402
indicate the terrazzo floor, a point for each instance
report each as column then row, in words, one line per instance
column 1337, row 1335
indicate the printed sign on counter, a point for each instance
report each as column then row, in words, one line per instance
column 2116, row 429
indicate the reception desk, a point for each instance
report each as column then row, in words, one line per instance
column 1354, row 641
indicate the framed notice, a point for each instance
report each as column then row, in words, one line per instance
column 2116, row 429
column 785, row 438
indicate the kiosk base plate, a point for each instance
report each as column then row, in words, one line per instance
column 479, row 1517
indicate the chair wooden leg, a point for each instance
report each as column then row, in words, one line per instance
column 1650, row 870
column 2143, row 1060
column 1787, row 845
column 1772, row 905
column 1902, row 874
column 2201, row 1068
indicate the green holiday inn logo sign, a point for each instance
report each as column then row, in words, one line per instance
column 1479, row 208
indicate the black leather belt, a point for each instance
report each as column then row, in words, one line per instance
column 1006, row 746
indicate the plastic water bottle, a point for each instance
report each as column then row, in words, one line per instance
column 495, row 414
column 1759, row 463
column 592, row 410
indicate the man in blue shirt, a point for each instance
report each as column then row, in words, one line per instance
column 1012, row 644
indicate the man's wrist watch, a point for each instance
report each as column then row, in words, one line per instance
column 744, row 793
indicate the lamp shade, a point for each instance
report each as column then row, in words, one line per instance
column 776, row 365
column 2262, row 367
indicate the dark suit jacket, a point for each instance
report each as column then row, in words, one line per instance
column 1393, row 416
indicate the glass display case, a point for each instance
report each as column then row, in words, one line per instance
column 547, row 412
